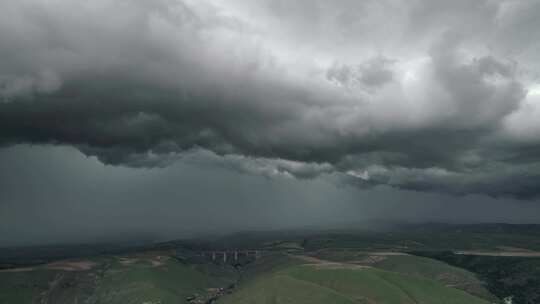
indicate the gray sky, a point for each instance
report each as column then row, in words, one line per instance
column 174, row 117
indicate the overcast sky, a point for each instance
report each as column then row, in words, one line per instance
column 168, row 118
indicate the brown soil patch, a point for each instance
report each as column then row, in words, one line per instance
column 387, row 253
column 128, row 261
column 372, row 259
column 332, row 265
column 22, row 269
column 529, row 254
column 71, row 265
column 158, row 260
column 515, row 249
column 319, row 263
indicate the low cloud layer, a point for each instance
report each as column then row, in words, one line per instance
column 433, row 96
column 55, row 194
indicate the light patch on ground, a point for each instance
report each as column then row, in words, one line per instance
column 158, row 260
column 375, row 257
column 525, row 254
column 22, row 269
column 387, row 253
column 371, row 259
column 71, row 265
column 128, row 261
column 319, row 263
column 514, row 249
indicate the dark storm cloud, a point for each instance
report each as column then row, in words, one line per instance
column 374, row 73
column 425, row 95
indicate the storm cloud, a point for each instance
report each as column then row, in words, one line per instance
column 423, row 95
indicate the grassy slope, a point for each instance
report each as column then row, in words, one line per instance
column 518, row 277
column 169, row 283
column 23, row 287
column 310, row 284
column 436, row 270
column 275, row 279
column 286, row 289
column 111, row 282
column 418, row 267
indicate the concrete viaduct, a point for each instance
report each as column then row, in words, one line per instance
column 234, row 254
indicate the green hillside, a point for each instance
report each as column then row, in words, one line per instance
column 413, row 266
column 123, row 280
column 321, row 284
column 432, row 269
column 278, row 277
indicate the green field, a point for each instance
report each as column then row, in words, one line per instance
column 329, row 284
column 140, row 279
column 275, row 278
column 506, row 277
column 414, row 266
column 24, row 287
column 141, row 283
